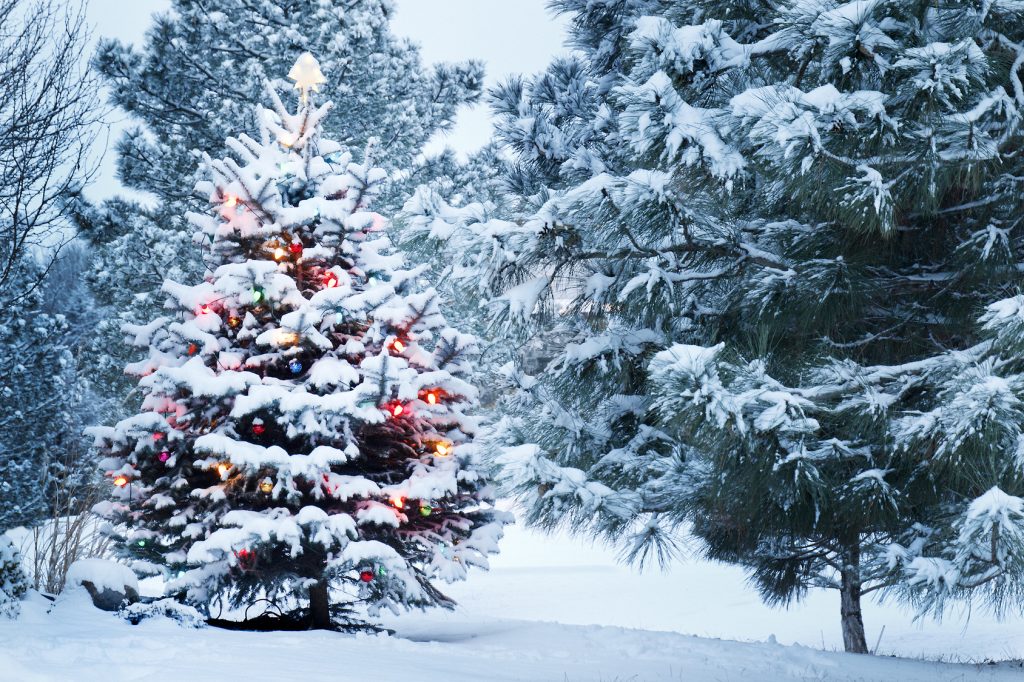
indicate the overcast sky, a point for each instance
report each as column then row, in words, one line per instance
column 511, row 36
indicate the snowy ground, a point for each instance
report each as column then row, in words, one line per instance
column 534, row 618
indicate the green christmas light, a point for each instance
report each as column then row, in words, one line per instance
column 258, row 295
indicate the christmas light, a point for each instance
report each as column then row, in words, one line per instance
column 258, row 295
column 366, row 576
column 193, row 349
column 231, row 201
column 280, row 254
column 234, row 321
column 258, row 429
column 431, row 397
column 266, row 485
column 295, row 366
column 204, row 309
column 443, row 449
column 426, row 510
column 397, row 410
column 330, row 280
column 285, row 338
column 223, row 469
column 121, row 481
column 159, row 435
column 164, row 456
column 295, row 247
column 398, row 346
column 246, row 559
column 398, row 502
column 286, row 139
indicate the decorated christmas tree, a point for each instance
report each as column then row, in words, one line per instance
column 306, row 435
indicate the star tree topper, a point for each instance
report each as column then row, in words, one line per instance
column 307, row 75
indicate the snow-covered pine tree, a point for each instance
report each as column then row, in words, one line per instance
column 190, row 87
column 40, row 400
column 306, row 432
column 771, row 228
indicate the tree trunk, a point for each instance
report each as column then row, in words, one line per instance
column 850, row 592
column 319, row 606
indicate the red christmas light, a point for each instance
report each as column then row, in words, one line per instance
column 398, row 346
column 164, row 456
column 366, row 576
column 398, row 502
column 397, row 410
column 246, row 559
column 258, row 429
column 295, row 247
column 330, row 280
column 159, row 435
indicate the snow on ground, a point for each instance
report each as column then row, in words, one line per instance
column 536, row 617
column 564, row 580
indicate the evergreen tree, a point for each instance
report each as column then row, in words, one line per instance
column 306, row 426
column 768, row 229
column 40, row 399
column 191, row 85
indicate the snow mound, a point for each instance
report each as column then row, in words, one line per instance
column 103, row 574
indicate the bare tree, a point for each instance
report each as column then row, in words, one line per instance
column 49, row 110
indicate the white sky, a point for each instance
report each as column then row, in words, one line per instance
column 511, row 36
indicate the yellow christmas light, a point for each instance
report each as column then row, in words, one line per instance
column 223, row 468
column 285, row 338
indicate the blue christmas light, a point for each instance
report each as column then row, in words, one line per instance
column 295, row 366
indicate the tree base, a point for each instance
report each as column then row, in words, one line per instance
column 296, row 621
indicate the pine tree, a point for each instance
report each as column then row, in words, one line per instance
column 769, row 230
column 190, row 87
column 306, row 427
column 41, row 404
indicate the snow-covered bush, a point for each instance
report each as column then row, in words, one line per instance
column 13, row 583
column 183, row 614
